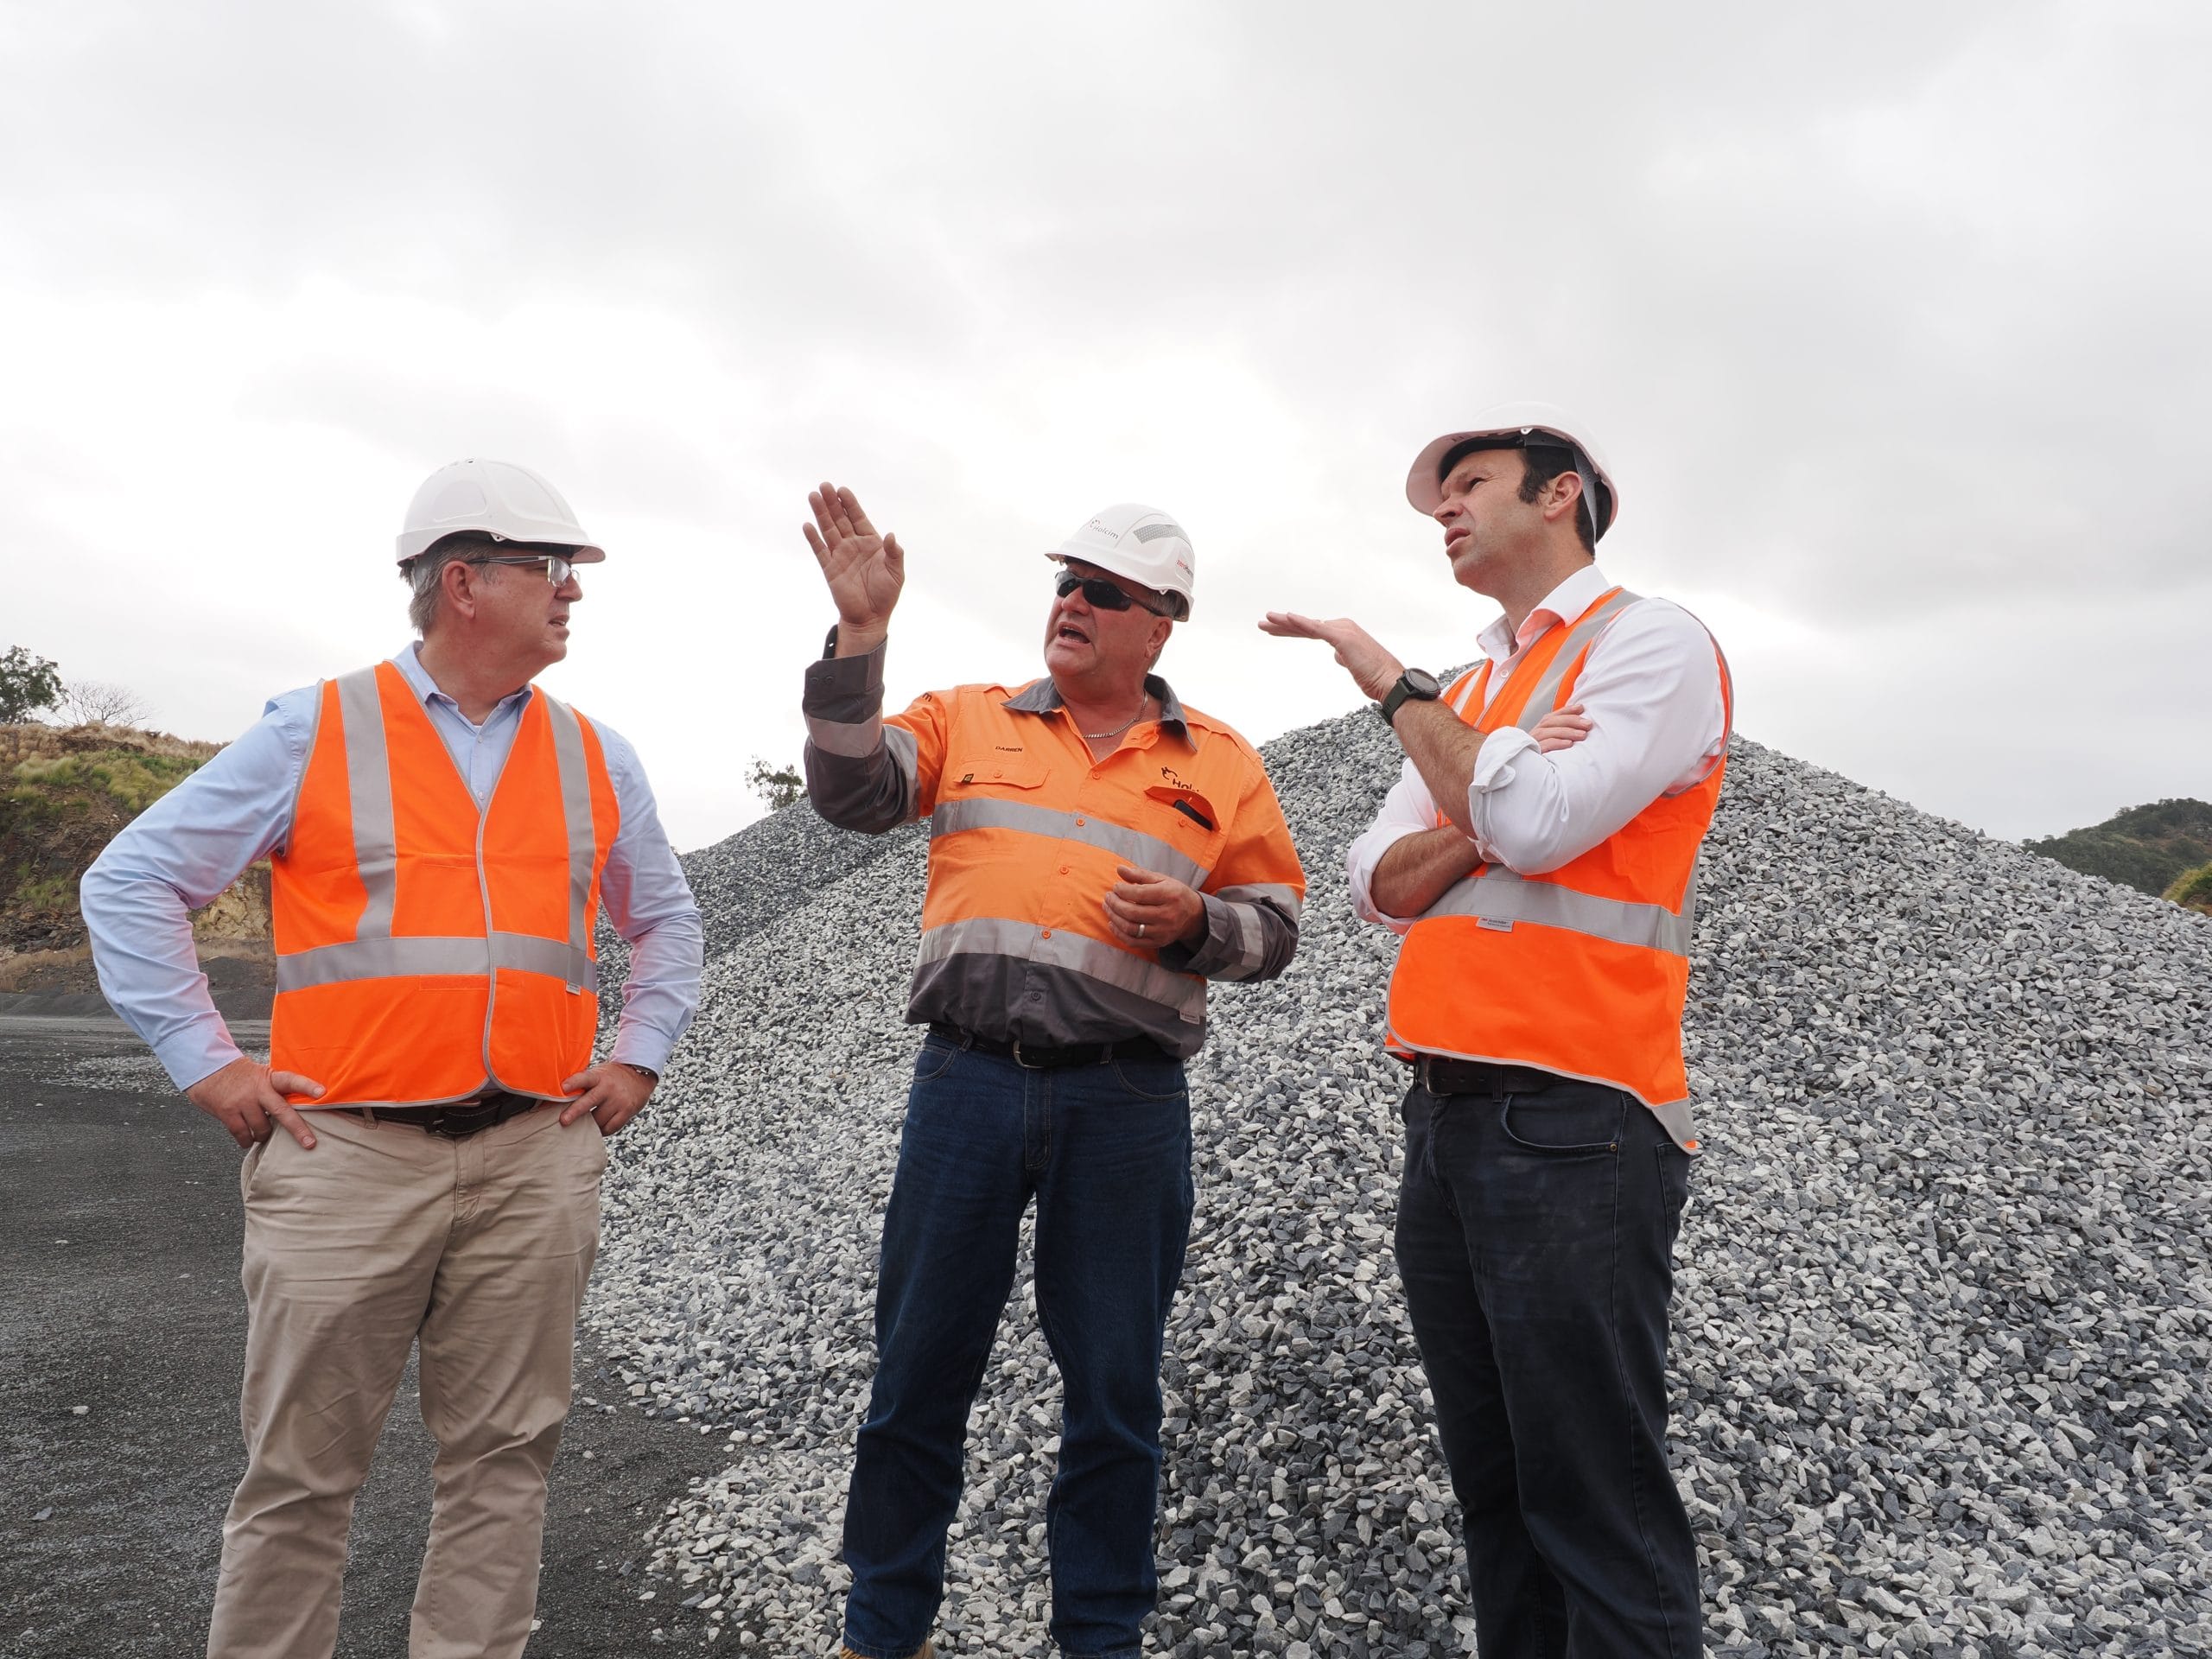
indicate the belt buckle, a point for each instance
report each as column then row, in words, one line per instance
column 1019, row 1061
column 465, row 1123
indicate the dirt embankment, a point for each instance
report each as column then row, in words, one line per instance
column 64, row 793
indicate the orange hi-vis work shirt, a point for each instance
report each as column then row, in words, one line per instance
column 427, row 952
column 1026, row 831
column 1582, row 970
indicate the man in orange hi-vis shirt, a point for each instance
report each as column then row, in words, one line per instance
column 1098, row 851
column 1539, row 856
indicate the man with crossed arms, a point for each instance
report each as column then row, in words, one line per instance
column 1539, row 857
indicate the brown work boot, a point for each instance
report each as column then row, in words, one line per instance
column 928, row 1650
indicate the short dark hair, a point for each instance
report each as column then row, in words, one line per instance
column 1540, row 465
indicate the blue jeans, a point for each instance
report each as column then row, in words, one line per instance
column 1535, row 1238
column 1106, row 1151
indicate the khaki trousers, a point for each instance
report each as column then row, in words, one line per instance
column 380, row 1238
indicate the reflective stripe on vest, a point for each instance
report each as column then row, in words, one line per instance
column 439, row 983
column 1581, row 972
column 1131, row 846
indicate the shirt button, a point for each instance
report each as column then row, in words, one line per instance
column 1046, row 934
column 1063, row 869
column 1078, row 824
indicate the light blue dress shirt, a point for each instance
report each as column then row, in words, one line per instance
column 188, row 846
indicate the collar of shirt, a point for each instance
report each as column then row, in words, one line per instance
column 408, row 662
column 1563, row 604
column 1042, row 697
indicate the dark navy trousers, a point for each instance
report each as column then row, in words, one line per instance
column 1535, row 1237
column 1105, row 1152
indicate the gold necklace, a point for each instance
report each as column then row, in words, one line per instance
column 1099, row 737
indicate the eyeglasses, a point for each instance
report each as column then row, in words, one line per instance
column 555, row 569
column 1100, row 594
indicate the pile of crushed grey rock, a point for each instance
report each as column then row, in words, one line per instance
column 1942, row 1317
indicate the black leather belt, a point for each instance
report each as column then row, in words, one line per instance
column 1442, row 1077
column 454, row 1122
column 1042, row 1059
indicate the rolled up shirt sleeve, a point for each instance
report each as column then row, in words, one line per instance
column 864, row 772
column 1253, row 898
column 1651, row 689
column 1408, row 809
column 650, row 903
column 178, row 854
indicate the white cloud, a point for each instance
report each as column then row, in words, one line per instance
column 1888, row 319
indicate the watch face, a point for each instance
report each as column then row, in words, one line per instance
column 1422, row 683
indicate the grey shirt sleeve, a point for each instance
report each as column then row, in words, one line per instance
column 861, row 774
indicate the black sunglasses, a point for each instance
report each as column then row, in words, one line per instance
column 1101, row 594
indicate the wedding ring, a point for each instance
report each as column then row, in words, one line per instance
column 1139, row 929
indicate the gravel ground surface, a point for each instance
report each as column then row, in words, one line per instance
column 1941, row 1317
column 122, row 1332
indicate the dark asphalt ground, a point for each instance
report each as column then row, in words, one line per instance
column 119, row 1233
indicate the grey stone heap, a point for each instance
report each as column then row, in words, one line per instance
column 1942, row 1318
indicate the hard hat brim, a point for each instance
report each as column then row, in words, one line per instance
column 586, row 553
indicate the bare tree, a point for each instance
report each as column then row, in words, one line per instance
column 100, row 702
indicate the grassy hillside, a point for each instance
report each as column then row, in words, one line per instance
column 64, row 792
column 2148, row 848
column 2193, row 888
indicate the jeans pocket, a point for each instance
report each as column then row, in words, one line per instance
column 1674, row 1184
column 935, row 1059
column 1564, row 1122
column 1152, row 1079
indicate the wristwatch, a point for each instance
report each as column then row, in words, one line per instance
column 645, row 1071
column 1417, row 684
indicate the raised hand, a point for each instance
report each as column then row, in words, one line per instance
column 865, row 571
column 1374, row 669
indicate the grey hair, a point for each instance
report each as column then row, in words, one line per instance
column 425, row 576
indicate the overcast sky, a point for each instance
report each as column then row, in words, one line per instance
column 1891, row 317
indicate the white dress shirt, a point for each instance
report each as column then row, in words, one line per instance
column 191, row 844
column 1651, row 688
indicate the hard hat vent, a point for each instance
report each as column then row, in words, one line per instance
column 1155, row 532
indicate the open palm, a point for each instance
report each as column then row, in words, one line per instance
column 865, row 571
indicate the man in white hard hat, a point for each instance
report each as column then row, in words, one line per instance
column 1538, row 856
column 424, row 1147
column 1098, row 851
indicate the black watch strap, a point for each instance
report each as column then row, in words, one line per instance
column 1416, row 684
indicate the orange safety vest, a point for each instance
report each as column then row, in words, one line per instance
column 1582, row 970
column 426, row 949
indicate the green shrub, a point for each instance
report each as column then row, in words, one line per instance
column 2193, row 889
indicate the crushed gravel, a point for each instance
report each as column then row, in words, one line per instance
column 1942, row 1321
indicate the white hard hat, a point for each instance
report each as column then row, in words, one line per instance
column 1516, row 426
column 503, row 500
column 1140, row 542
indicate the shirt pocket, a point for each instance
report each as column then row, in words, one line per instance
column 1190, row 824
column 992, row 771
